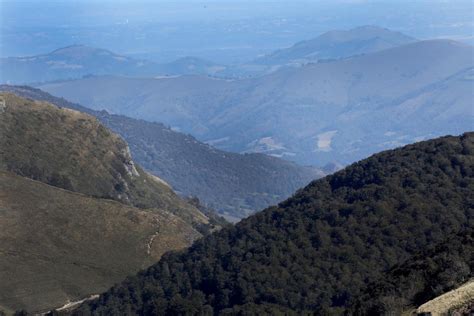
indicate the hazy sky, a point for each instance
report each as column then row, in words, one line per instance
column 225, row 31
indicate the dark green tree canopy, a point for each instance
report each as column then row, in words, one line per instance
column 317, row 251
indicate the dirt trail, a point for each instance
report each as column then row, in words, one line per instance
column 150, row 242
column 74, row 304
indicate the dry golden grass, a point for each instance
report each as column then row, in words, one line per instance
column 57, row 245
column 449, row 301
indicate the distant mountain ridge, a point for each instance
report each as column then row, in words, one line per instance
column 338, row 44
column 77, row 61
column 235, row 185
column 320, row 113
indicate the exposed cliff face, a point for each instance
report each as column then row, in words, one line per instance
column 129, row 164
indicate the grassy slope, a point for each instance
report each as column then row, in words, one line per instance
column 57, row 245
column 72, row 150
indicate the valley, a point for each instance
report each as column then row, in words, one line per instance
column 285, row 113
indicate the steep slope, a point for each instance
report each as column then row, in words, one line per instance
column 73, row 151
column 233, row 184
column 320, row 248
column 432, row 272
column 337, row 44
column 236, row 185
column 338, row 111
column 459, row 301
column 58, row 246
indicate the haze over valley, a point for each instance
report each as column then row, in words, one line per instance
column 319, row 113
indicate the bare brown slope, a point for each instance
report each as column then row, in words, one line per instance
column 57, row 245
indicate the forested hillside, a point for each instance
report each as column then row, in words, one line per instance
column 434, row 271
column 318, row 250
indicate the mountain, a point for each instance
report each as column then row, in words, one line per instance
column 79, row 61
column 71, row 62
column 77, row 214
column 319, row 249
column 73, row 151
column 337, row 44
column 233, row 184
column 329, row 46
column 191, row 66
column 432, row 272
column 335, row 112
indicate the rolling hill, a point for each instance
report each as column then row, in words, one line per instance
column 69, row 63
column 233, row 184
column 329, row 46
column 337, row 44
column 319, row 249
column 79, row 61
column 338, row 111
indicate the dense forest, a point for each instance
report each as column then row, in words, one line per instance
column 317, row 251
column 434, row 271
